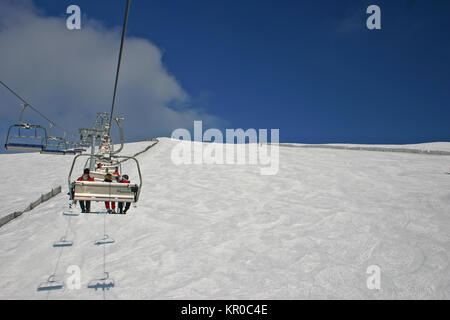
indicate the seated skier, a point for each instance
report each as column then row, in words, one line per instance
column 85, row 205
column 124, row 179
column 112, row 208
column 116, row 174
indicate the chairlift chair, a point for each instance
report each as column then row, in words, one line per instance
column 85, row 144
column 55, row 146
column 99, row 173
column 101, row 191
column 20, row 137
column 26, row 137
column 70, row 148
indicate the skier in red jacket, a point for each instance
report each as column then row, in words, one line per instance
column 116, row 174
column 124, row 179
column 110, row 208
column 85, row 205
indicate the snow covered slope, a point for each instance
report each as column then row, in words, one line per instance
column 226, row 232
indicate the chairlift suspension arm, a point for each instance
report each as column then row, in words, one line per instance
column 24, row 106
column 121, row 136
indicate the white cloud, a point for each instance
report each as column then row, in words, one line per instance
column 69, row 75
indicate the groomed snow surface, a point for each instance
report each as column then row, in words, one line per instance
column 227, row 232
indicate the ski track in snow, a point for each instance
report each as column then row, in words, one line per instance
column 226, row 232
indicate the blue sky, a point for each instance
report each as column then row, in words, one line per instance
column 310, row 68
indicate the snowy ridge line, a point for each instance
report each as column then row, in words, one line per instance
column 380, row 149
column 143, row 151
column 155, row 140
column 43, row 198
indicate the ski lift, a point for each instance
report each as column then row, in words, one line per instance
column 55, row 146
column 50, row 284
column 70, row 148
column 26, row 137
column 23, row 141
column 84, row 140
column 101, row 191
column 78, row 148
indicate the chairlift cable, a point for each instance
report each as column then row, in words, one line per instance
column 32, row 108
column 118, row 65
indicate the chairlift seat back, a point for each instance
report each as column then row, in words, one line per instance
column 105, row 191
column 19, row 140
column 98, row 175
